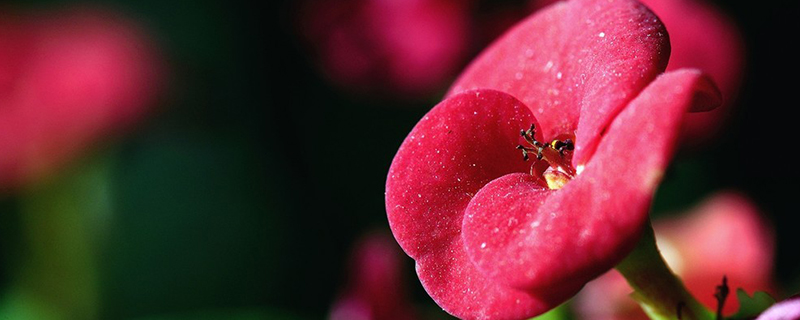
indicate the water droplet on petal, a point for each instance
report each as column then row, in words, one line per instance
column 548, row 66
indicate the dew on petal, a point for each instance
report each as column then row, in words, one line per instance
column 548, row 66
column 512, row 222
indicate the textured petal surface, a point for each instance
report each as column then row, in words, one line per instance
column 577, row 61
column 489, row 241
column 701, row 37
column 462, row 144
column 544, row 240
column 523, row 249
column 459, row 146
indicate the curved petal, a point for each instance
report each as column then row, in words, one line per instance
column 579, row 59
column 459, row 146
column 567, row 237
column 463, row 143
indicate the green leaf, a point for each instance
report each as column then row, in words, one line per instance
column 559, row 313
column 750, row 307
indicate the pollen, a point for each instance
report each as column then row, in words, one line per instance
column 555, row 179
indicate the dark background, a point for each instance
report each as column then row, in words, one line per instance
column 243, row 194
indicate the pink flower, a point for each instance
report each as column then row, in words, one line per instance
column 724, row 236
column 495, row 238
column 408, row 47
column 376, row 290
column 788, row 309
column 67, row 80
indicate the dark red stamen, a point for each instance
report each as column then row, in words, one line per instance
column 556, row 153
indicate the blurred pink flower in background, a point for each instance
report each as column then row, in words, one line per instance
column 398, row 47
column 788, row 309
column 493, row 18
column 376, row 289
column 724, row 236
column 67, row 80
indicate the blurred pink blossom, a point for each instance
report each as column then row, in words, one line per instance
column 724, row 236
column 400, row 47
column 376, row 289
column 788, row 309
column 67, row 80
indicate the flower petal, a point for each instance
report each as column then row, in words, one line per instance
column 579, row 59
column 459, row 146
column 539, row 241
column 463, row 143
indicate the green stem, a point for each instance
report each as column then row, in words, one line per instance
column 659, row 291
column 61, row 222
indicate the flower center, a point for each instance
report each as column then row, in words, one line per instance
column 553, row 160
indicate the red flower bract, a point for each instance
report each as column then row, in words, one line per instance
column 490, row 240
